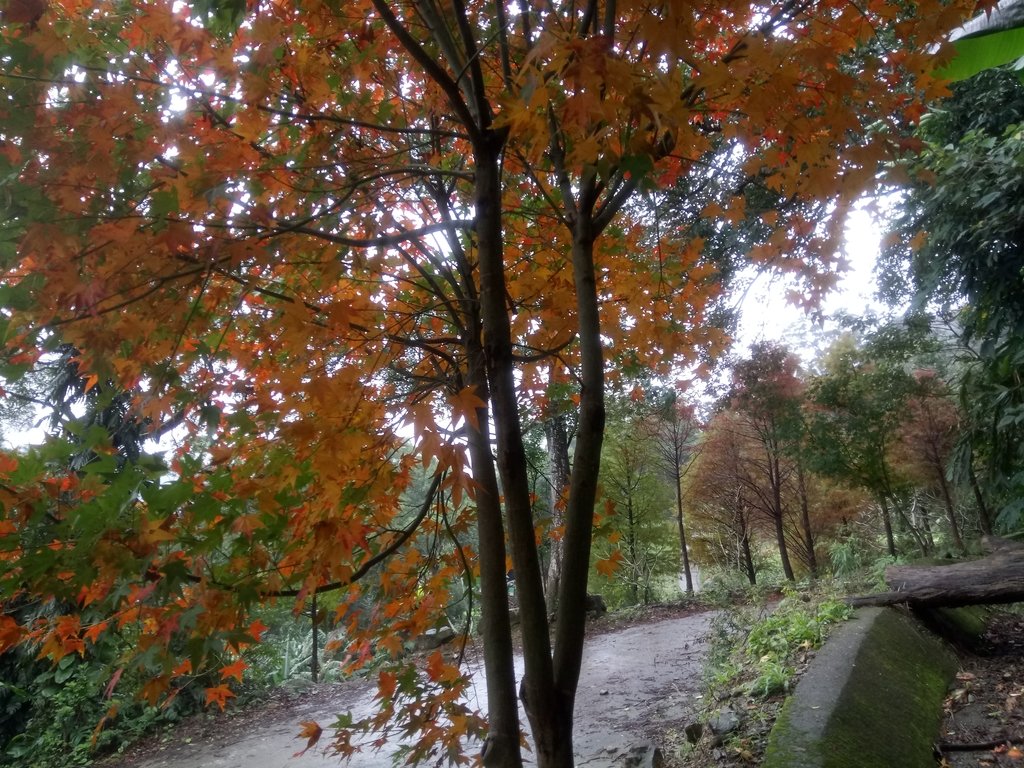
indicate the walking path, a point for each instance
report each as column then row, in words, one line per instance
column 633, row 680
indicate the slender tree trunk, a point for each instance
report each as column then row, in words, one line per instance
column 748, row 560
column 634, row 582
column 682, row 531
column 491, row 374
column 947, row 501
column 805, row 519
column 502, row 746
column 780, row 531
column 890, row 540
column 984, row 519
column 558, row 463
column 314, row 660
column 569, row 632
column 926, row 526
column 907, row 526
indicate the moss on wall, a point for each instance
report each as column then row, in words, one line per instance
column 885, row 711
column 964, row 627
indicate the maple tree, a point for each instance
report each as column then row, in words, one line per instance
column 304, row 230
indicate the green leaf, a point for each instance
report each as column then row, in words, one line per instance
column 974, row 54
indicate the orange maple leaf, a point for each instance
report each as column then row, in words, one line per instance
column 11, row 633
column 386, row 684
column 608, row 565
column 466, row 404
column 256, row 630
column 233, row 670
column 219, row 695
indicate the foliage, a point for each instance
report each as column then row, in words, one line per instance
column 760, row 651
column 634, row 529
column 299, row 238
column 989, row 40
column 64, row 715
column 857, row 404
column 766, row 398
column 958, row 238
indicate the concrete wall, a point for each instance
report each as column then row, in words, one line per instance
column 872, row 698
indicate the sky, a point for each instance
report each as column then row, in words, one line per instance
column 765, row 315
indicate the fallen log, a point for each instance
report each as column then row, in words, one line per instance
column 997, row 578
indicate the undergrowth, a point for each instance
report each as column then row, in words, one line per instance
column 755, row 654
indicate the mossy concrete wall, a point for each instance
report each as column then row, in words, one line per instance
column 871, row 699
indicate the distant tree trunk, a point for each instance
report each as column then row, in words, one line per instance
column 558, row 469
column 907, row 526
column 777, row 511
column 805, row 519
column 748, row 560
column 947, row 500
column 314, row 661
column 984, row 519
column 682, row 532
column 890, row 540
column 631, row 545
column 926, row 526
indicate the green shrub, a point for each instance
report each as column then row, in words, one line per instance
column 758, row 652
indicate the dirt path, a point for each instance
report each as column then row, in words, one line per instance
column 632, row 678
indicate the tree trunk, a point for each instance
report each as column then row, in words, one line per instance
column 998, row 578
column 682, row 531
column 805, row 519
column 314, row 660
column 947, row 501
column 502, row 746
column 558, row 463
column 984, row 519
column 890, row 540
column 907, row 525
column 780, row 532
column 492, row 371
column 569, row 632
column 634, row 582
column 748, row 561
column 927, row 527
